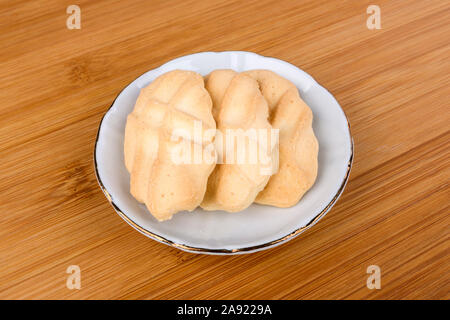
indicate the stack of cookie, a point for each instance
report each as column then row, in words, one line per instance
column 221, row 143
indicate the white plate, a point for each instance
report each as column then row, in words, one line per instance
column 258, row 227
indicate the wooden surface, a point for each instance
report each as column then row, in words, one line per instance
column 57, row 83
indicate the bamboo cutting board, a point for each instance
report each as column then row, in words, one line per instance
column 393, row 84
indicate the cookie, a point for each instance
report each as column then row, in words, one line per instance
column 298, row 146
column 160, row 143
column 245, row 162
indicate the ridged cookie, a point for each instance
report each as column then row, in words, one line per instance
column 177, row 100
column 298, row 146
column 237, row 104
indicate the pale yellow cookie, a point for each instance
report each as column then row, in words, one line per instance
column 160, row 140
column 298, row 145
column 238, row 105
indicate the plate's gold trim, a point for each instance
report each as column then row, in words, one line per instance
column 184, row 247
